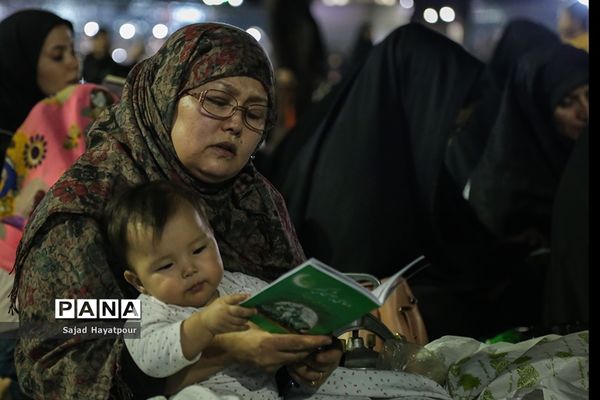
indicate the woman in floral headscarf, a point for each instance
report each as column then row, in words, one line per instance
column 169, row 124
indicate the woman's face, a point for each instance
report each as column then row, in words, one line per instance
column 58, row 66
column 212, row 149
column 571, row 115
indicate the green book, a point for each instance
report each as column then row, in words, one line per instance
column 316, row 299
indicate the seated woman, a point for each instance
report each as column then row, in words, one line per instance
column 544, row 110
column 361, row 187
column 37, row 60
column 193, row 113
column 467, row 144
column 513, row 188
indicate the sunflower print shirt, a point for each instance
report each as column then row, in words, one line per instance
column 42, row 148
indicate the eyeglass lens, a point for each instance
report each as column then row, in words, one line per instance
column 223, row 105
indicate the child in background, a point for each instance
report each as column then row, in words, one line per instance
column 160, row 235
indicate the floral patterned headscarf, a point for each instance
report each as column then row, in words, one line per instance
column 192, row 56
column 132, row 144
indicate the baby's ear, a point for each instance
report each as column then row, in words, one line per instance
column 133, row 279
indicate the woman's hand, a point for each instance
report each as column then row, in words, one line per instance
column 266, row 350
column 256, row 347
column 314, row 370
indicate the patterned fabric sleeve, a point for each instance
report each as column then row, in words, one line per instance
column 57, row 267
column 238, row 282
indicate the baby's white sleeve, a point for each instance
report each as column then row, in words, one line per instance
column 158, row 351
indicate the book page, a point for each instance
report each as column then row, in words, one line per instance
column 385, row 289
column 311, row 299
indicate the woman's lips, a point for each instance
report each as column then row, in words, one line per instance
column 226, row 149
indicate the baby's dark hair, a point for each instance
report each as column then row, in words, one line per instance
column 149, row 204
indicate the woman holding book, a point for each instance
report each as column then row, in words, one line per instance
column 193, row 113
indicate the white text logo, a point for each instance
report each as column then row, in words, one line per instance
column 97, row 309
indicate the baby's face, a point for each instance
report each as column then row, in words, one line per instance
column 182, row 267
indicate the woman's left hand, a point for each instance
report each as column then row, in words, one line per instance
column 314, row 370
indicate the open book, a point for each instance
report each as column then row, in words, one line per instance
column 314, row 298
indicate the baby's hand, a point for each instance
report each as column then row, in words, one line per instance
column 224, row 314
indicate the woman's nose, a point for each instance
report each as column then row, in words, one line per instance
column 583, row 108
column 235, row 123
column 586, row 107
column 72, row 61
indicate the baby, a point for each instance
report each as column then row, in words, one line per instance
column 159, row 234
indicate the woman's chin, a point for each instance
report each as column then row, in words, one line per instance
column 214, row 175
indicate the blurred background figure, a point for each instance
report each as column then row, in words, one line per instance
column 573, row 25
column 362, row 188
column 566, row 301
column 298, row 47
column 286, row 87
column 137, row 52
column 363, row 43
column 352, row 171
column 99, row 63
column 543, row 112
column 36, row 60
column 300, row 64
column 293, row 130
column 513, row 188
column 467, row 144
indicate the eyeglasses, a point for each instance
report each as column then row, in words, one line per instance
column 222, row 105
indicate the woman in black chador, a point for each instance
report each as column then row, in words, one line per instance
column 361, row 190
column 519, row 37
column 544, row 110
column 513, row 189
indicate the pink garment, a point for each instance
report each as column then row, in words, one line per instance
column 50, row 139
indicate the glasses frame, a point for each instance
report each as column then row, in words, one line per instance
column 201, row 96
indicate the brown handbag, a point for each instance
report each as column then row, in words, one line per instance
column 399, row 313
